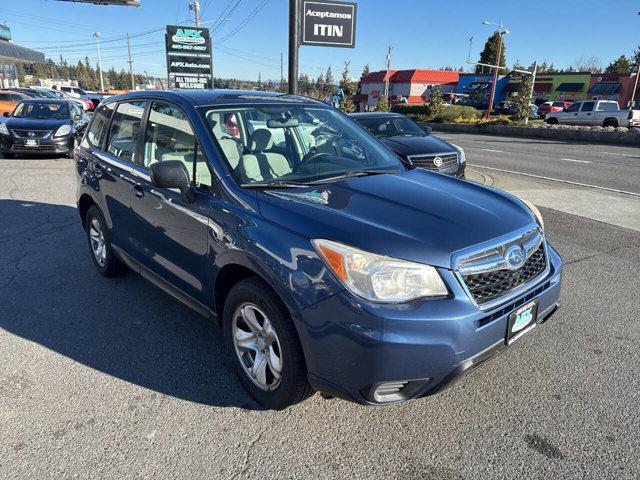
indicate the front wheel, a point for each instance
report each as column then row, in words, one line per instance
column 552, row 121
column 264, row 346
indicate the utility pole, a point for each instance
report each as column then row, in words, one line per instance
column 386, row 82
column 195, row 6
column 281, row 74
column 133, row 81
column 294, row 42
column 533, row 83
column 97, row 35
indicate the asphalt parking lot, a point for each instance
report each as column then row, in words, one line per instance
column 114, row 379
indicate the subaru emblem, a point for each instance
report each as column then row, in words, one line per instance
column 514, row 257
column 31, row 134
column 437, row 162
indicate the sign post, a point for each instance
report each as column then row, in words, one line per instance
column 320, row 23
column 189, row 57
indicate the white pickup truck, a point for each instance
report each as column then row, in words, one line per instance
column 605, row 113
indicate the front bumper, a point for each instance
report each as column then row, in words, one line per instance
column 45, row 146
column 351, row 346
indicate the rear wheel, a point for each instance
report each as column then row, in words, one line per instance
column 100, row 245
column 264, row 345
column 610, row 122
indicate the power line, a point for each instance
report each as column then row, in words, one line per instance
column 250, row 17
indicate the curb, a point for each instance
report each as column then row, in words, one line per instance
column 616, row 138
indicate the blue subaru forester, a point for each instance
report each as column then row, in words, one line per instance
column 330, row 263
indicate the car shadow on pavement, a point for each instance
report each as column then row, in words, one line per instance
column 51, row 294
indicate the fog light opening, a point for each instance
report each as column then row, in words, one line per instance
column 396, row 391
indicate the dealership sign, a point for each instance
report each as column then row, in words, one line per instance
column 189, row 57
column 328, row 23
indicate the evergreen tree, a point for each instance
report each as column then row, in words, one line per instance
column 522, row 101
column 490, row 53
column 434, row 103
column 383, row 104
column 635, row 60
column 329, row 82
column 259, row 85
column 365, row 71
column 620, row 65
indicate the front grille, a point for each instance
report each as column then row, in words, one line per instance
column 427, row 161
column 485, row 287
column 36, row 133
column 39, row 148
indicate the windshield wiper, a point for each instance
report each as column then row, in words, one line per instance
column 274, row 184
column 353, row 173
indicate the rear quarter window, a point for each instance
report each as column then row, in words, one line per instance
column 98, row 127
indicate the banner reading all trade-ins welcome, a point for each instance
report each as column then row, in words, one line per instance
column 328, row 23
column 189, row 56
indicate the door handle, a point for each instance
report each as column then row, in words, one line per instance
column 137, row 191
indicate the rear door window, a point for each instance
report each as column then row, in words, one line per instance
column 574, row 107
column 587, row 107
column 125, row 129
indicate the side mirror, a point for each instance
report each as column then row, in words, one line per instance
column 427, row 129
column 6, row 114
column 77, row 118
column 172, row 174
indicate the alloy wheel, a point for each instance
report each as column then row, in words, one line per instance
column 257, row 346
column 97, row 242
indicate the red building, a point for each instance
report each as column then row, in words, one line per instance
column 407, row 86
column 612, row 86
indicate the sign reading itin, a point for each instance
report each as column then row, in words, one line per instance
column 328, row 24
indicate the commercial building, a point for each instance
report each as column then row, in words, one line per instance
column 613, row 86
column 405, row 86
column 562, row 86
column 12, row 54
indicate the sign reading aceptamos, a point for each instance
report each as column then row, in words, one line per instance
column 328, row 23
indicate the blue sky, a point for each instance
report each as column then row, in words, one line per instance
column 422, row 33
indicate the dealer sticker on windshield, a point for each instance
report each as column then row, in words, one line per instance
column 521, row 321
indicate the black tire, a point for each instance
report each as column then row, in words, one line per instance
column 9, row 155
column 551, row 121
column 71, row 152
column 110, row 265
column 610, row 122
column 293, row 387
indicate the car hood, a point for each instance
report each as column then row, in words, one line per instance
column 35, row 123
column 419, row 144
column 416, row 215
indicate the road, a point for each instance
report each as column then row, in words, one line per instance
column 612, row 167
column 114, row 379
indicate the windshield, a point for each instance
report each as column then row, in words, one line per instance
column 42, row 110
column 295, row 144
column 390, row 126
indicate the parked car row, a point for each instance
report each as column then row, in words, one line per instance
column 86, row 101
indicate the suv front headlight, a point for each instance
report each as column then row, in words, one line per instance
column 535, row 211
column 3, row 129
column 460, row 153
column 378, row 278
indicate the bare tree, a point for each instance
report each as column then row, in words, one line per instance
column 591, row 64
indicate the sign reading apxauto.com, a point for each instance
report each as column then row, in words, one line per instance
column 189, row 57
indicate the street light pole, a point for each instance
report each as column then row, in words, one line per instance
column 294, row 42
column 97, row 35
column 502, row 31
column 533, row 83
